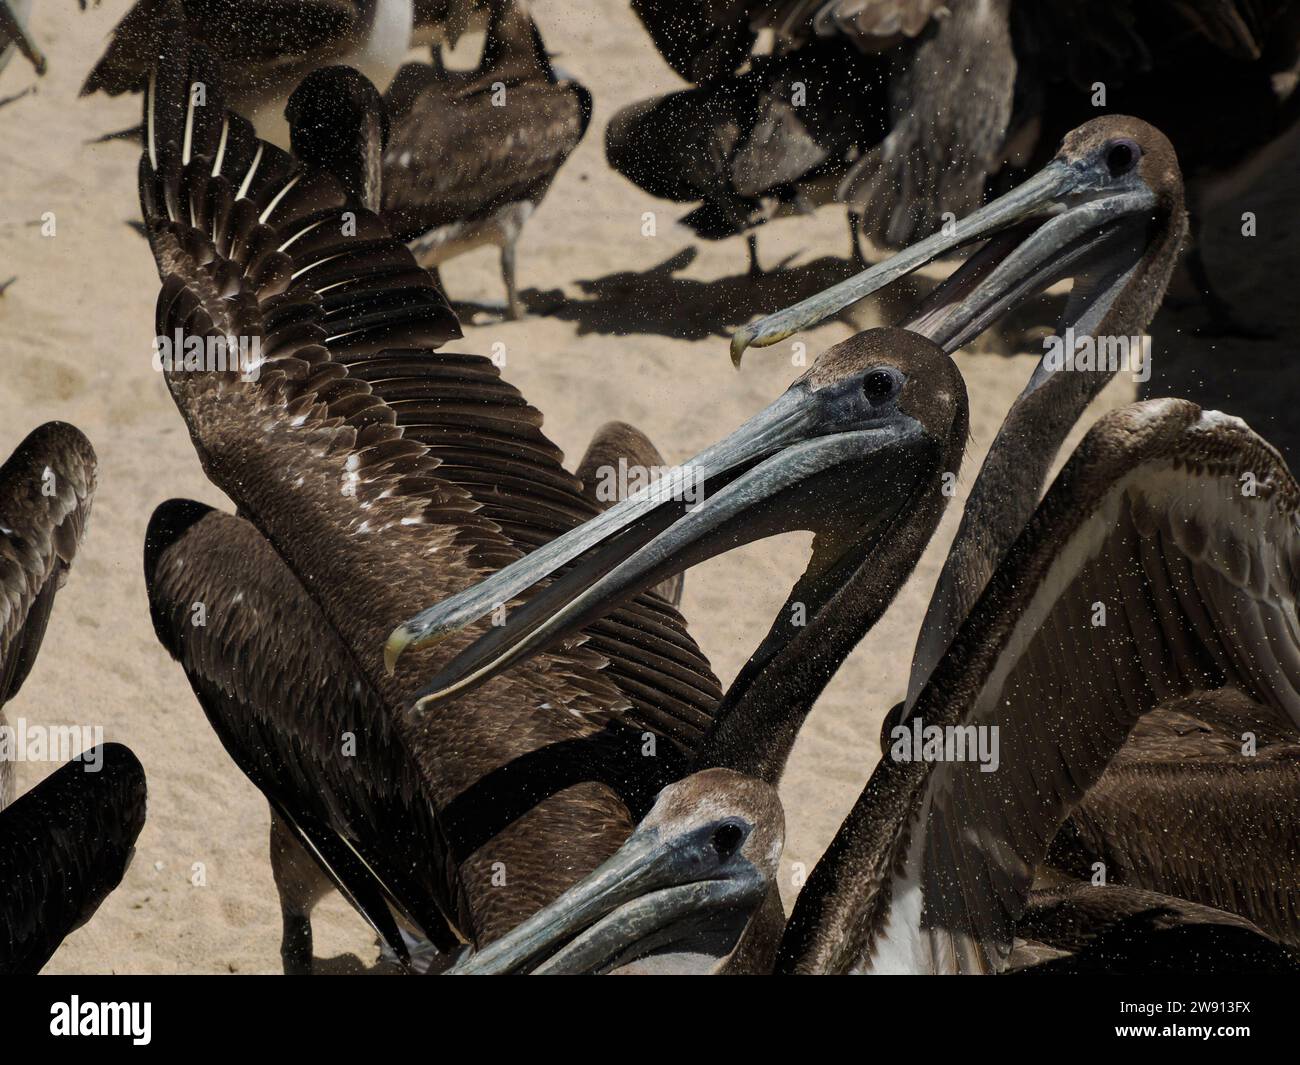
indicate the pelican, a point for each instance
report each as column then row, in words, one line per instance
column 773, row 140
column 934, row 868
column 703, row 41
column 908, row 148
column 690, row 877
column 1107, row 212
column 64, row 846
column 693, row 874
column 262, row 51
column 46, row 489
column 1121, row 288
column 369, row 467
column 471, row 155
column 1114, row 220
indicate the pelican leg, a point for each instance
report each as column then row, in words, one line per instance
column 855, row 240
column 751, row 241
column 13, row 31
column 514, row 309
column 300, row 884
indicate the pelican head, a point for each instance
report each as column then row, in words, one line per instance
column 1093, row 213
column 865, row 433
column 680, row 890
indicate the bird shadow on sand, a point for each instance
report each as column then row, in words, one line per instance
column 661, row 302
column 351, row 965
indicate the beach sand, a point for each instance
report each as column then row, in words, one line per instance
column 642, row 338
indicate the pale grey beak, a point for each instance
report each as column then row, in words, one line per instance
column 1037, row 233
column 642, row 898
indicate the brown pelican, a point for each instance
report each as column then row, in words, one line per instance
column 14, row 36
column 1201, row 802
column 64, row 846
column 706, row 853
column 1108, row 212
column 1149, row 518
column 855, row 450
column 1130, row 287
column 772, row 140
column 1118, row 230
column 694, row 871
column 471, row 155
column 262, row 50
column 907, row 147
column 46, row 487
column 376, row 469
column 702, row 41
column 932, row 871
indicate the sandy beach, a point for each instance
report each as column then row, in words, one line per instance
column 640, row 337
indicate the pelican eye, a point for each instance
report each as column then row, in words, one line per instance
column 1121, row 157
column 879, row 386
column 726, row 839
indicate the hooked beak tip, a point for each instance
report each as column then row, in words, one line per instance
column 422, row 704
column 398, row 642
column 739, row 342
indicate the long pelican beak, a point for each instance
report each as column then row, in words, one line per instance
column 782, row 470
column 647, row 897
column 1066, row 218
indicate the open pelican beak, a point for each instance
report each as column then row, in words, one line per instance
column 782, row 470
column 1068, row 219
column 645, row 898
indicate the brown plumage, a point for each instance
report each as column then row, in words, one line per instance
column 1118, row 931
column 303, row 722
column 771, row 140
column 1008, row 485
column 382, row 473
column 471, row 155
column 46, row 487
column 64, row 846
column 261, row 49
column 1202, row 802
column 702, row 41
column 261, row 43
column 616, row 443
column 932, row 868
column 950, row 105
column 872, row 426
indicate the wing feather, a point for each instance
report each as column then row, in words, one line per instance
column 64, row 846
column 1151, row 502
